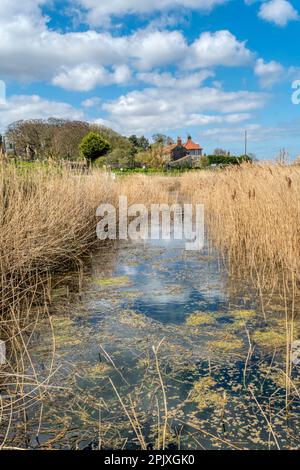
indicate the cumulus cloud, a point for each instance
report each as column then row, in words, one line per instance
column 219, row 48
column 150, row 109
column 30, row 50
column 91, row 102
column 37, row 53
column 12, row 10
column 82, row 78
column 100, row 11
column 157, row 48
column 81, row 61
column 269, row 73
column 35, row 107
column 279, row 12
column 182, row 81
column 85, row 77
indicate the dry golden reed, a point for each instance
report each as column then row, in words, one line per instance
column 48, row 221
column 48, row 218
column 252, row 213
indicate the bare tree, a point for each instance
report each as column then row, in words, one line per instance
column 221, row 152
column 51, row 139
column 56, row 139
column 283, row 157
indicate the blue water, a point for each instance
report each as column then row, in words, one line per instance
column 111, row 335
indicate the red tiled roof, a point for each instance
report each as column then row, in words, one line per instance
column 191, row 145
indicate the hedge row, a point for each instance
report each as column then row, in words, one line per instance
column 227, row 160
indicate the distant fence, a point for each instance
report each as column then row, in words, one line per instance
column 76, row 165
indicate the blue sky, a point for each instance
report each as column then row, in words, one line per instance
column 212, row 68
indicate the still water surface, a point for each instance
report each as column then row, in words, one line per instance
column 137, row 296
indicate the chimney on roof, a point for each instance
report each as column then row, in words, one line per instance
column 179, row 141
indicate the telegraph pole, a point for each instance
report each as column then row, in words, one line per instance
column 246, row 143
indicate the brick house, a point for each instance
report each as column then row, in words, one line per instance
column 193, row 149
column 179, row 150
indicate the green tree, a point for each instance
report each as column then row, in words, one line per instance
column 139, row 143
column 204, row 161
column 94, row 146
column 134, row 140
column 121, row 155
column 152, row 158
column 143, row 143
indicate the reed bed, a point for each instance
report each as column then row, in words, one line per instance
column 48, row 220
column 253, row 214
column 48, row 223
column 48, row 217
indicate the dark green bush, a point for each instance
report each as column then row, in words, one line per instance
column 227, row 160
column 94, row 146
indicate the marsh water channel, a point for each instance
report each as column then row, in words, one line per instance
column 159, row 332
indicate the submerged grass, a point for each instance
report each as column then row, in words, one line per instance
column 200, row 318
column 243, row 314
column 113, row 281
column 270, row 339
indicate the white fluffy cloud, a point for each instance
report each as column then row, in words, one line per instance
column 99, row 11
column 86, row 77
column 35, row 107
column 279, row 12
column 91, row 102
column 156, row 48
column 152, row 109
column 41, row 54
column 30, row 50
column 269, row 73
column 12, row 10
column 182, row 81
column 219, row 48
column 82, row 60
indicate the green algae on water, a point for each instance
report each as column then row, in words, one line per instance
column 134, row 294
column 243, row 314
column 226, row 343
column 204, row 393
column 133, row 319
column 270, row 338
column 98, row 370
column 64, row 332
column 236, row 326
column 112, row 281
column 200, row 318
